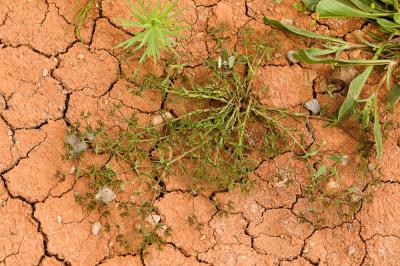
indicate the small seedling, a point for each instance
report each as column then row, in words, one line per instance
column 158, row 26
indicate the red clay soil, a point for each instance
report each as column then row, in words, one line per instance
column 48, row 78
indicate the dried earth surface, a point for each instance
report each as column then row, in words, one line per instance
column 48, row 78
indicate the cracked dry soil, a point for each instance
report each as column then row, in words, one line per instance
column 48, row 78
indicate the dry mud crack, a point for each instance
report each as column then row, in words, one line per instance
column 48, row 78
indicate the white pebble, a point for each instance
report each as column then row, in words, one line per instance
column 45, row 72
column 96, row 228
column 168, row 116
column 59, row 220
column 72, row 170
column 153, row 219
column 105, row 195
column 313, row 106
column 157, row 120
column 332, row 186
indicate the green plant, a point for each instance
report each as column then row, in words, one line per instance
column 156, row 27
column 80, row 16
column 383, row 46
column 212, row 145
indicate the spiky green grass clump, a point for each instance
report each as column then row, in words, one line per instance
column 156, row 27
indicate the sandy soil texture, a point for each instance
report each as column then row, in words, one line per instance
column 48, row 78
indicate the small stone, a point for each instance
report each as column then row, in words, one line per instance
column 72, row 170
column 96, row 228
column 90, row 136
column 357, row 195
column 157, row 120
column 45, row 72
column 59, row 219
column 332, row 186
column 80, row 56
column 313, row 106
column 168, row 116
column 153, row 219
column 371, row 167
column 77, row 144
column 105, row 195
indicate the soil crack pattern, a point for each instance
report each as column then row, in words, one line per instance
column 53, row 77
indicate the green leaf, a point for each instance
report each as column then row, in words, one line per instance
column 377, row 131
column 364, row 5
column 389, row 73
column 387, row 23
column 310, row 4
column 343, row 8
column 310, row 56
column 305, row 33
column 396, row 18
column 365, row 114
column 321, row 170
column 354, row 92
column 393, row 96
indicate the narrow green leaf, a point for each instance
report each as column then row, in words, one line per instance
column 377, row 131
column 365, row 114
column 396, row 18
column 305, row 33
column 387, row 23
column 354, row 92
column 310, row 56
column 311, row 4
column 321, row 170
column 393, row 96
column 389, row 73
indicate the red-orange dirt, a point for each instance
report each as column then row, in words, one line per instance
column 48, row 78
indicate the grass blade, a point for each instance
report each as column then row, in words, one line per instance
column 393, row 96
column 354, row 92
column 377, row 131
column 310, row 56
column 305, row 33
